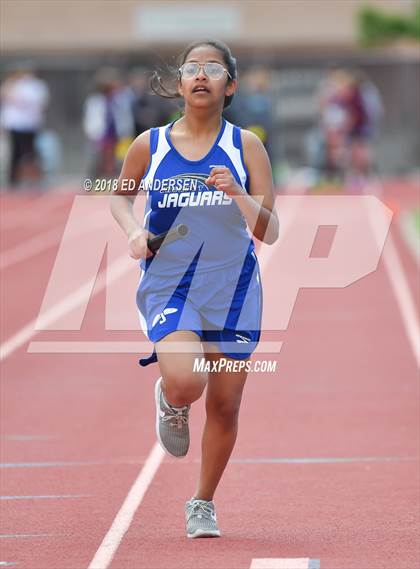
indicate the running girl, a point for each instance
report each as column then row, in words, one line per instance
column 202, row 292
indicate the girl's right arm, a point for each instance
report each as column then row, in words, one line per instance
column 122, row 201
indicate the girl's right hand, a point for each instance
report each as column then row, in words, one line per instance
column 137, row 244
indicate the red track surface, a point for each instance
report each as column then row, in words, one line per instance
column 346, row 387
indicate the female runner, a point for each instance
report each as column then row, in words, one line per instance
column 202, row 292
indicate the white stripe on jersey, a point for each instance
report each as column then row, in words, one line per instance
column 161, row 151
column 226, row 142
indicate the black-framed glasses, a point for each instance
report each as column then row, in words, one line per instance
column 212, row 69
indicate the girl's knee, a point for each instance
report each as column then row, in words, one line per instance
column 224, row 412
column 182, row 388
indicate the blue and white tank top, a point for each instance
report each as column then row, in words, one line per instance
column 176, row 193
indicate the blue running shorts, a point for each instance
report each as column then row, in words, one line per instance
column 223, row 306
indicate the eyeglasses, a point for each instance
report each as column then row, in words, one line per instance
column 212, row 69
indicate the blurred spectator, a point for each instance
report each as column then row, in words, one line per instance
column 49, row 149
column 24, row 99
column 365, row 110
column 350, row 113
column 148, row 110
column 333, row 123
column 252, row 106
column 108, row 122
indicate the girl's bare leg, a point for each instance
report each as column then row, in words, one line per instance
column 224, row 393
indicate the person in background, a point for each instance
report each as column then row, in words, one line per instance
column 365, row 112
column 253, row 108
column 350, row 113
column 24, row 98
column 107, row 121
column 333, row 124
column 148, row 109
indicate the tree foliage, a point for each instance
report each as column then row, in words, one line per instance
column 378, row 27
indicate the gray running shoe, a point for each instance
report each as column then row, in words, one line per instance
column 171, row 425
column 201, row 519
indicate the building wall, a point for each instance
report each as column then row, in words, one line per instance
column 68, row 40
column 126, row 25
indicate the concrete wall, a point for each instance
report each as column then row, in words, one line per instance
column 68, row 40
column 28, row 25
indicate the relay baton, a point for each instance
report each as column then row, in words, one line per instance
column 177, row 232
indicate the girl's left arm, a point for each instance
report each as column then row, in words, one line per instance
column 260, row 213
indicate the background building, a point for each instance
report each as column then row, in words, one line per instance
column 297, row 41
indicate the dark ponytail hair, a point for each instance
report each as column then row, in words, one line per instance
column 158, row 86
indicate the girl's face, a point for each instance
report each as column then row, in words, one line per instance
column 202, row 91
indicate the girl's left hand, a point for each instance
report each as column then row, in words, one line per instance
column 222, row 179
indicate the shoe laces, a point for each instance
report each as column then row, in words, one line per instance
column 178, row 417
column 200, row 507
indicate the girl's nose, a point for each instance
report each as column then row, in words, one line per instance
column 201, row 73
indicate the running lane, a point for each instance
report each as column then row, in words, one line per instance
column 326, row 461
column 325, row 465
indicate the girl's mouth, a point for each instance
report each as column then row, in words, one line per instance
column 200, row 89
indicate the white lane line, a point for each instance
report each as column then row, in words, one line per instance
column 283, row 563
column 123, row 519
column 62, row 464
column 400, row 287
column 339, row 460
column 31, row 246
column 45, row 497
column 403, row 295
column 410, row 234
column 118, row 347
column 34, row 245
column 29, row 213
column 137, row 461
column 7, row 563
column 66, row 305
column 30, row 535
column 25, row 438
